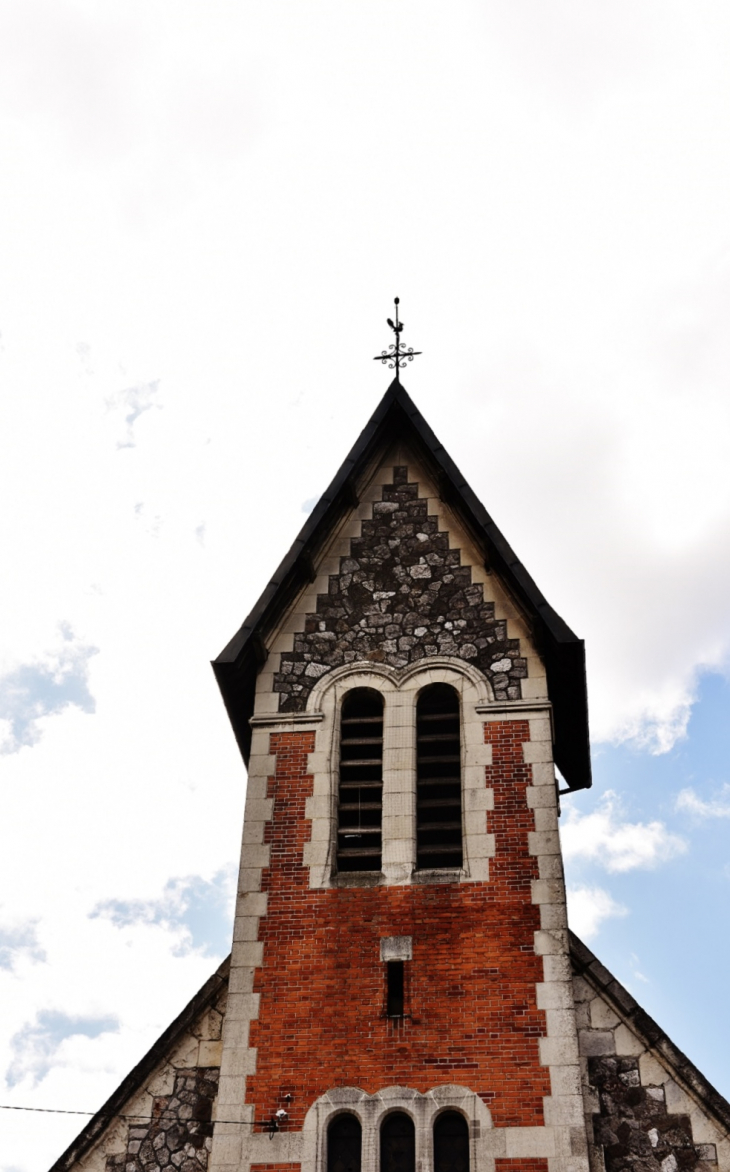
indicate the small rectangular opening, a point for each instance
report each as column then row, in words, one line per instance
column 395, row 988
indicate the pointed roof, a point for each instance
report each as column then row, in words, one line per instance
column 398, row 418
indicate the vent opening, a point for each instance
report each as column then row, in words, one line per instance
column 438, row 792
column 360, row 796
column 396, row 985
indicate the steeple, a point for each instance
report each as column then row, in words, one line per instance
column 397, row 423
column 403, row 992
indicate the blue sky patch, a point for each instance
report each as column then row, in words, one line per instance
column 669, row 932
column 44, row 688
column 203, row 908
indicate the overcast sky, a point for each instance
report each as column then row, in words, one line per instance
column 206, row 210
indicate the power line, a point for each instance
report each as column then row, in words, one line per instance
column 114, row 1115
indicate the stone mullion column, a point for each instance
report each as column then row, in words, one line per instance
column 399, row 787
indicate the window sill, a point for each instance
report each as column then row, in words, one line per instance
column 357, row 879
column 439, row 875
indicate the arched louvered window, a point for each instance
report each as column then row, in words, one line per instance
column 344, row 1144
column 438, row 794
column 397, row 1143
column 451, row 1143
column 360, row 798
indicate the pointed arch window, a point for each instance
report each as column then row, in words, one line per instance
column 451, row 1143
column 438, row 791
column 360, row 791
column 397, row 1143
column 344, row 1144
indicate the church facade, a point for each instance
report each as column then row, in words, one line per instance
column 403, row 991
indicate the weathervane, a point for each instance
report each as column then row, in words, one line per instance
column 396, row 355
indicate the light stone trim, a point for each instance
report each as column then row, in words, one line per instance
column 238, row 1059
column 495, row 709
column 285, row 719
column 563, row 1107
column 515, row 706
column 399, row 691
column 401, row 678
column 396, row 948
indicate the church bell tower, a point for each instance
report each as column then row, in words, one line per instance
column 403, row 993
column 400, row 986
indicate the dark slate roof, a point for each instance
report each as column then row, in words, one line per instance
column 158, row 1053
column 585, row 964
column 398, row 418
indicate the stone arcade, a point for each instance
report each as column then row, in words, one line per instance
column 403, row 991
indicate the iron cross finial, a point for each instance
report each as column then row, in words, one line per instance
column 396, row 355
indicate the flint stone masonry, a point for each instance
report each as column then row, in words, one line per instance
column 400, row 596
column 178, row 1137
column 634, row 1128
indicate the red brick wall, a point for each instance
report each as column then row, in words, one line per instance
column 470, row 988
column 519, row 1165
column 288, row 1167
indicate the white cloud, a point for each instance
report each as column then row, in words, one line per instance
column 603, row 837
column 588, row 907
column 19, row 941
column 131, row 403
column 689, row 802
column 636, row 971
column 37, row 1044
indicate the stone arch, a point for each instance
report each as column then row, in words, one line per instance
column 371, row 1109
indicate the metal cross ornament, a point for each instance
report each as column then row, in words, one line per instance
column 396, row 355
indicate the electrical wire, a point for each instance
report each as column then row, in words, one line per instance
column 113, row 1115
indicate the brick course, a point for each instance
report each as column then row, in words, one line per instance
column 471, row 1013
column 275, row 1167
column 520, row 1165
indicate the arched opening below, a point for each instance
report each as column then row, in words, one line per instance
column 397, row 1143
column 451, row 1143
column 344, row 1144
